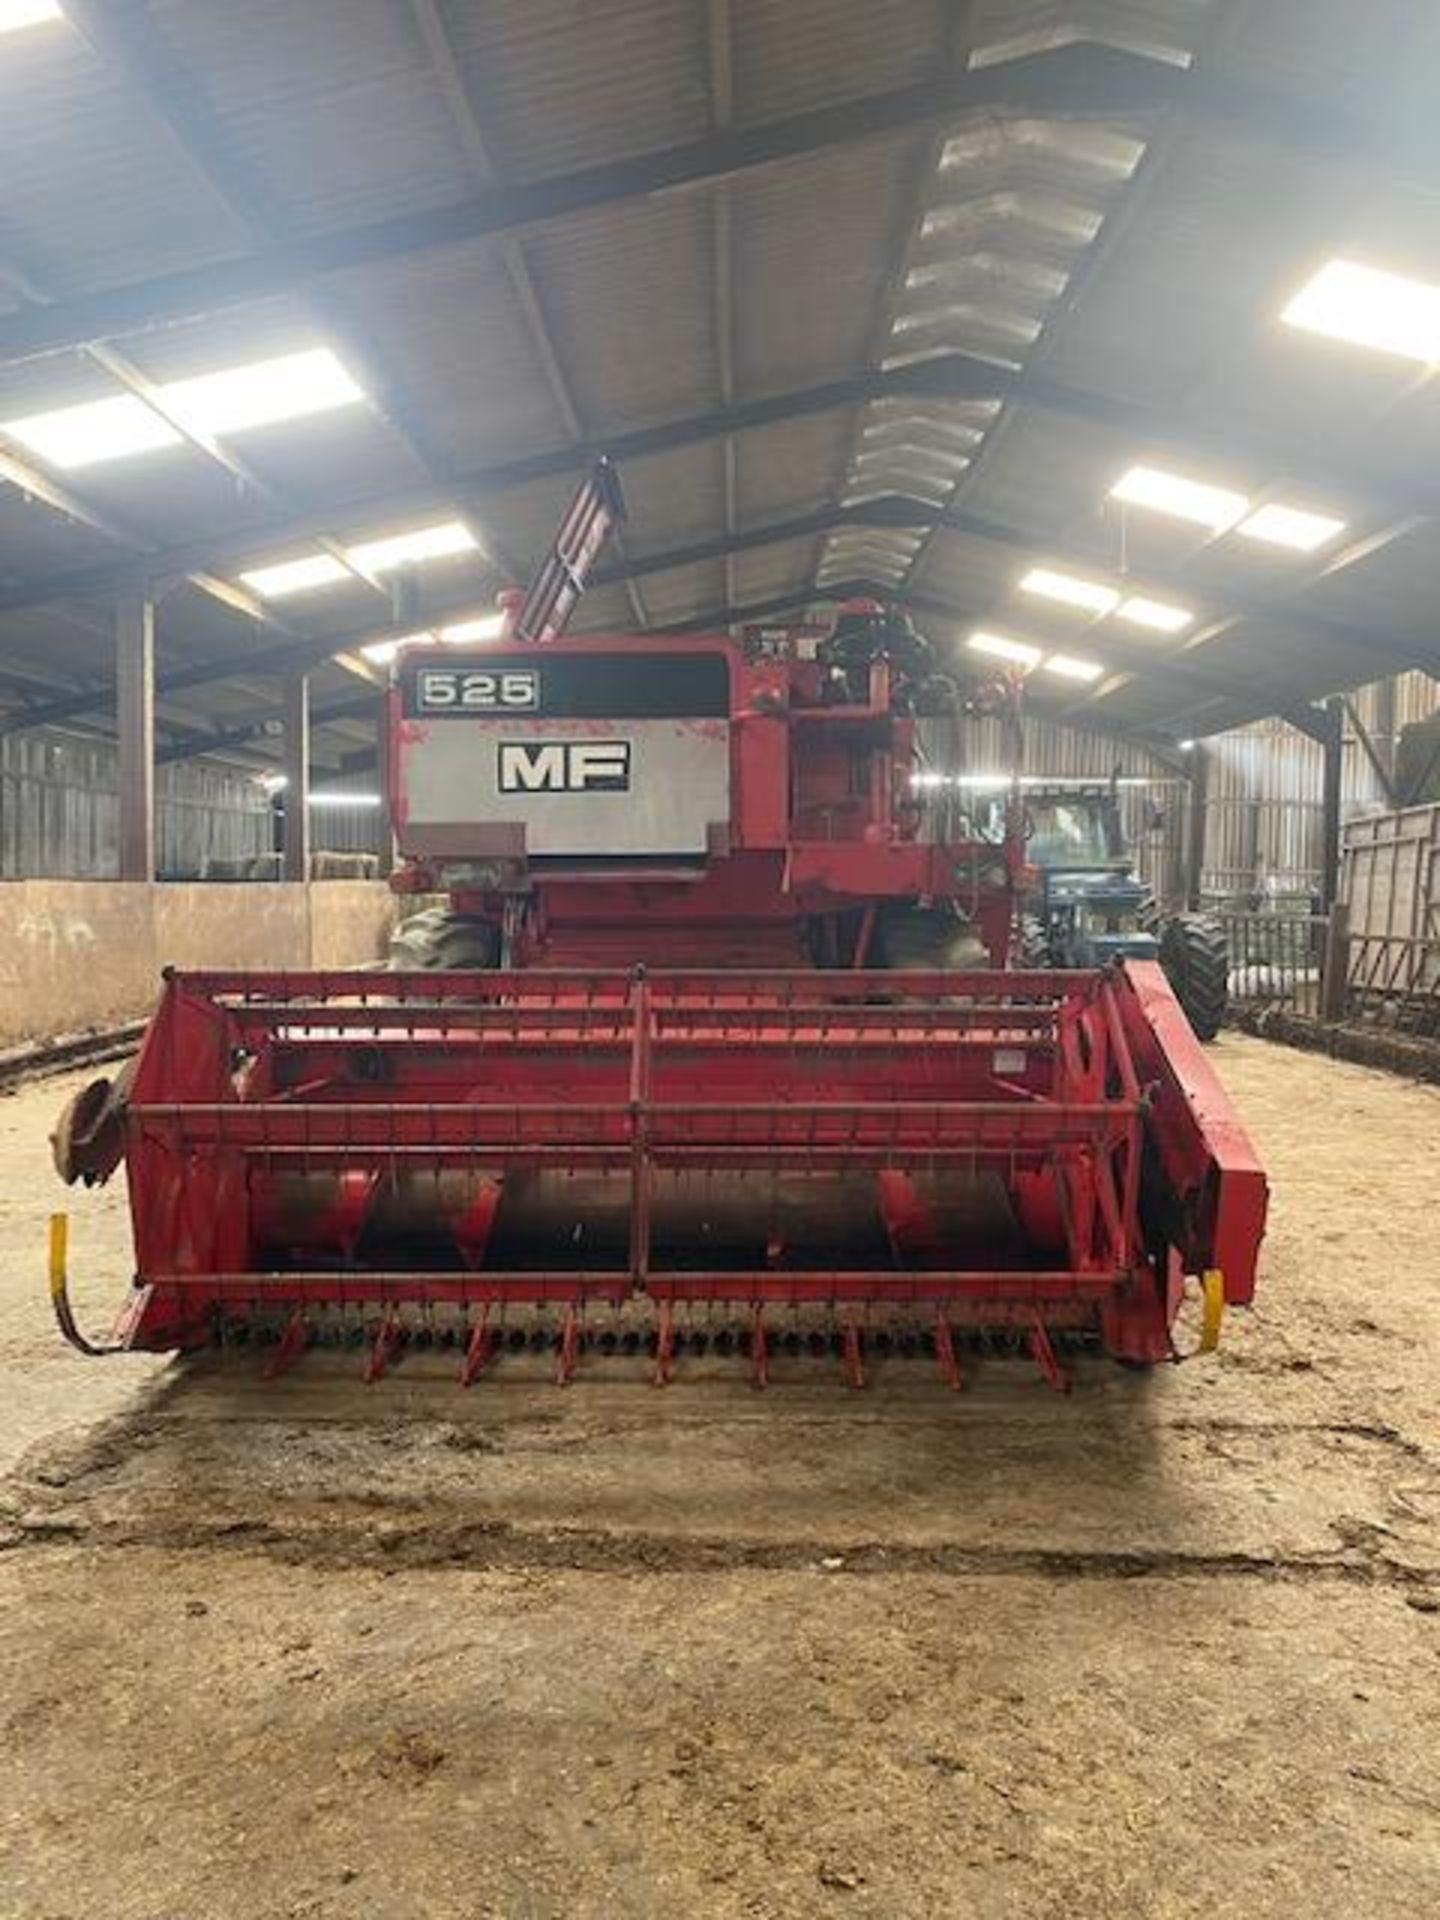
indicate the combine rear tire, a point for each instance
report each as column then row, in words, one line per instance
column 437, row 941
column 1196, row 960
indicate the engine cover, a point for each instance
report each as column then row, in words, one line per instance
column 550, row 754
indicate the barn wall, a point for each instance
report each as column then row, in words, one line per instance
column 81, row 954
column 1263, row 818
column 58, row 811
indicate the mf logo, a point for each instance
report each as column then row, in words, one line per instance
column 564, row 766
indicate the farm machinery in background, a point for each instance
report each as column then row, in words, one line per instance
column 738, row 1066
column 1086, row 906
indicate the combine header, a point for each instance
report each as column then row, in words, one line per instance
column 744, row 1070
column 848, row 1154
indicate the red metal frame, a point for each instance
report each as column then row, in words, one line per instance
column 823, row 822
column 285, row 1133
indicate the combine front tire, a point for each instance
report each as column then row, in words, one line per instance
column 1032, row 948
column 926, row 938
column 437, row 941
column 1196, row 960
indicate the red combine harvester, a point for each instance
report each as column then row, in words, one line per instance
column 743, row 1064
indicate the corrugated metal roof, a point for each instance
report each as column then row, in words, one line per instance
column 627, row 296
column 794, row 55
column 560, row 87
column 1336, row 51
column 813, row 247
column 682, row 592
column 95, row 192
column 791, row 468
column 1122, row 255
column 332, row 107
column 451, row 330
column 764, row 572
column 674, row 498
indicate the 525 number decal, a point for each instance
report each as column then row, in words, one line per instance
column 474, row 690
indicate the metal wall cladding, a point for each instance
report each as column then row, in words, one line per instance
column 1417, row 697
column 1388, row 706
column 1229, row 869
column 1263, row 819
column 346, row 829
column 58, row 812
column 1263, row 823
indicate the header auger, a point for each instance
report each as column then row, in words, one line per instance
column 743, row 1071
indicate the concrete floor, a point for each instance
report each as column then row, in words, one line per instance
column 1169, row 1647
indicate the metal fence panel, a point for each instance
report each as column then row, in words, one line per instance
column 1276, row 959
column 1390, row 882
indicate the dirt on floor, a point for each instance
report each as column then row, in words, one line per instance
column 1167, row 1647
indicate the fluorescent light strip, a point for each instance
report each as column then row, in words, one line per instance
column 325, row 796
column 1068, row 668
column 372, row 556
column 295, row 576
column 98, row 430
column 288, row 388
column 1157, row 614
column 1000, row 648
column 1224, row 511
column 1215, row 507
column 1370, row 308
column 1281, row 526
column 1092, row 596
column 237, row 398
column 15, row 14
column 382, row 652
column 487, row 626
column 421, row 543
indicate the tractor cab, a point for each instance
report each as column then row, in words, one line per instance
column 1088, row 906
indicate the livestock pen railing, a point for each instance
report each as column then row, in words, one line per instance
column 1314, row 966
column 1277, row 960
column 1395, row 978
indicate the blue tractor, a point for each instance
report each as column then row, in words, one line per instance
column 1088, row 906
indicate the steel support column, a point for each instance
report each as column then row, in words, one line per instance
column 135, row 721
column 385, row 825
column 1196, row 822
column 1333, row 747
column 1382, row 765
column 296, row 841
column 1385, row 733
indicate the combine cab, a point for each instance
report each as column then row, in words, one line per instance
column 741, row 1066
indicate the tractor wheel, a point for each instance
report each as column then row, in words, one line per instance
column 1196, row 960
column 438, row 941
